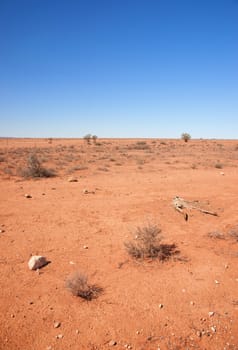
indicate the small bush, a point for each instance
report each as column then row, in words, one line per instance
column 35, row 168
column 233, row 232
column 147, row 244
column 216, row 235
column 185, row 136
column 218, row 166
column 78, row 285
column 140, row 145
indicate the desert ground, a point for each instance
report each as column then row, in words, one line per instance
column 188, row 300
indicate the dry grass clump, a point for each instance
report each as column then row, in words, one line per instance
column 147, row 244
column 233, row 232
column 216, row 235
column 35, row 168
column 140, row 145
column 219, row 165
column 78, row 285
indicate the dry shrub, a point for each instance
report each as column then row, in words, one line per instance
column 233, row 232
column 78, row 285
column 35, row 168
column 140, row 145
column 216, row 235
column 147, row 244
column 218, row 165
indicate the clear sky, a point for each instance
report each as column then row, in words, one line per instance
column 119, row 68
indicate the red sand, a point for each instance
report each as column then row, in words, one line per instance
column 132, row 187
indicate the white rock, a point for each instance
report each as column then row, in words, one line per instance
column 36, row 262
column 210, row 313
column 112, row 343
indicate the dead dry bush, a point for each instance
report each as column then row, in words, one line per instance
column 233, row 232
column 147, row 244
column 35, row 169
column 216, row 235
column 140, row 145
column 78, row 285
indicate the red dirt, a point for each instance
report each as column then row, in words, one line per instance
column 130, row 187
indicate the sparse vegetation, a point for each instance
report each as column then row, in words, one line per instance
column 216, row 235
column 233, row 232
column 219, row 165
column 185, row 136
column 78, row 285
column 147, row 244
column 140, row 145
column 35, row 168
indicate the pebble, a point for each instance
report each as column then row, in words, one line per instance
column 192, row 303
column 112, row 343
column 2, row 231
column 199, row 334
column 72, row 263
column 210, row 313
column 161, row 306
column 85, row 247
column 57, row 324
column 77, row 331
column 213, row 328
column 28, row 195
column 217, row 282
column 59, row 336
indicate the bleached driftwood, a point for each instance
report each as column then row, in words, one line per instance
column 181, row 205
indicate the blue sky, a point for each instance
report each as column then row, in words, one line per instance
column 119, row 68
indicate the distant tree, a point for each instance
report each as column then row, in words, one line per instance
column 185, row 136
column 87, row 138
column 94, row 137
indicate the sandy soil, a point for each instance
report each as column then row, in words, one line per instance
column 145, row 304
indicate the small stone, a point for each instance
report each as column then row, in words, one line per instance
column 217, row 282
column 221, row 173
column 85, row 247
column 213, row 328
column 12, row 315
column 210, row 313
column 226, row 266
column 28, row 195
column 72, row 179
column 36, row 262
column 137, row 332
column 112, row 343
column 57, row 324
column 77, row 331
column 31, row 302
column 2, row 231
column 161, row 306
column 199, row 334
column 85, row 191
column 59, row 336
column 192, row 303
column 72, row 263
